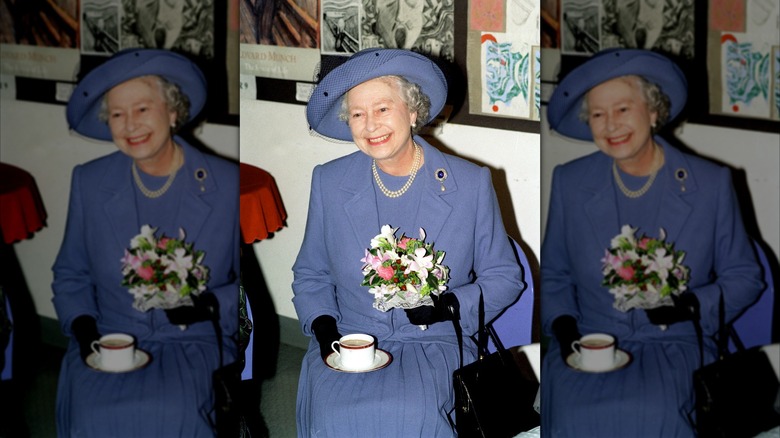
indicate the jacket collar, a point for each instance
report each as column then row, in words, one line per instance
column 120, row 207
column 361, row 208
column 601, row 209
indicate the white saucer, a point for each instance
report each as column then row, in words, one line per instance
column 622, row 358
column 139, row 361
column 382, row 359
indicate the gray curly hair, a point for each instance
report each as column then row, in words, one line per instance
column 174, row 98
column 412, row 96
column 657, row 101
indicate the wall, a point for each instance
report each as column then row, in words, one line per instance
column 35, row 137
column 275, row 137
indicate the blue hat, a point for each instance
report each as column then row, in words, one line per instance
column 322, row 111
column 85, row 102
column 566, row 101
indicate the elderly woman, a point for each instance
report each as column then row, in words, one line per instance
column 139, row 99
column 379, row 99
column 620, row 99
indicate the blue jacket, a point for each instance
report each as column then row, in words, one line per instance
column 700, row 215
column 463, row 220
column 102, row 219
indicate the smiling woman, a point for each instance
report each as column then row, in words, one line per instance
column 379, row 99
column 155, row 183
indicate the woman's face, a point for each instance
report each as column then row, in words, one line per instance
column 621, row 122
column 380, row 121
column 140, row 120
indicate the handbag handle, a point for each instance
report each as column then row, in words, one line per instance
column 484, row 333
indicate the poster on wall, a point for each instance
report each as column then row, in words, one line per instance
column 747, row 87
column 507, row 67
column 588, row 26
column 279, row 39
column 185, row 26
column 39, row 39
column 100, row 24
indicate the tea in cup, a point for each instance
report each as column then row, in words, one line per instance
column 115, row 352
column 595, row 352
column 356, row 352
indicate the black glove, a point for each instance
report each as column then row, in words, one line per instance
column 85, row 331
column 325, row 331
column 205, row 308
column 445, row 308
column 565, row 330
column 685, row 308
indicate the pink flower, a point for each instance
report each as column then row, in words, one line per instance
column 403, row 242
column 643, row 242
column 163, row 243
column 145, row 272
column 386, row 272
column 626, row 272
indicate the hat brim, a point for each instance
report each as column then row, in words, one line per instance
column 85, row 102
column 322, row 111
column 566, row 101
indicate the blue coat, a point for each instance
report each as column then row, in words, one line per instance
column 700, row 214
column 408, row 397
column 102, row 219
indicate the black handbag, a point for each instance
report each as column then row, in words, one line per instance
column 739, row 394
column 494, row 396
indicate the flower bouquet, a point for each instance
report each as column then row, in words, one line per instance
column 643, row 273
column 162, row 272
column 403, row 272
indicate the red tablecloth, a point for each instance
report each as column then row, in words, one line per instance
column 262, row 211
column 21, row 207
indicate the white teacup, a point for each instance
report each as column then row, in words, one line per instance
column 356, row 351
column 595, row 351
column 115, row 352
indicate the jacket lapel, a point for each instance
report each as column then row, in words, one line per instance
column 119, row 206
column 434, row 210
column 193, row 210
column 360, row 208
column 676, row 210
column 601, row 207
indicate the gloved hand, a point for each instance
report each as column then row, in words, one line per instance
column 685, row 308
column 205, row 308
column 85, row 332
column 445, row 308
column 325, row 331
column 565, row 330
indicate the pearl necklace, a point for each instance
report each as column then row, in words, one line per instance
column 412, row 174
column 161, row 191
column 633, row 194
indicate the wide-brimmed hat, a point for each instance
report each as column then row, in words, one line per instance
column 322, row 111
column 85, row 102
column 566, row 101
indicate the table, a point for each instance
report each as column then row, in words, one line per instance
column 21, row 207
column 262, row 211
column 21, row 214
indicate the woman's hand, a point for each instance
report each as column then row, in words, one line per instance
column 445, row 308
column 565, row 330
column 205, row 308
column 685, row 308
column 325, row 331
column 85, row 332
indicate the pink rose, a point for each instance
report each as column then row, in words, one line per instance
column 145, row 272
column 403, row 242
column 643, row 242
column 626, row 272
column 163, row 243
column 386, row 272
